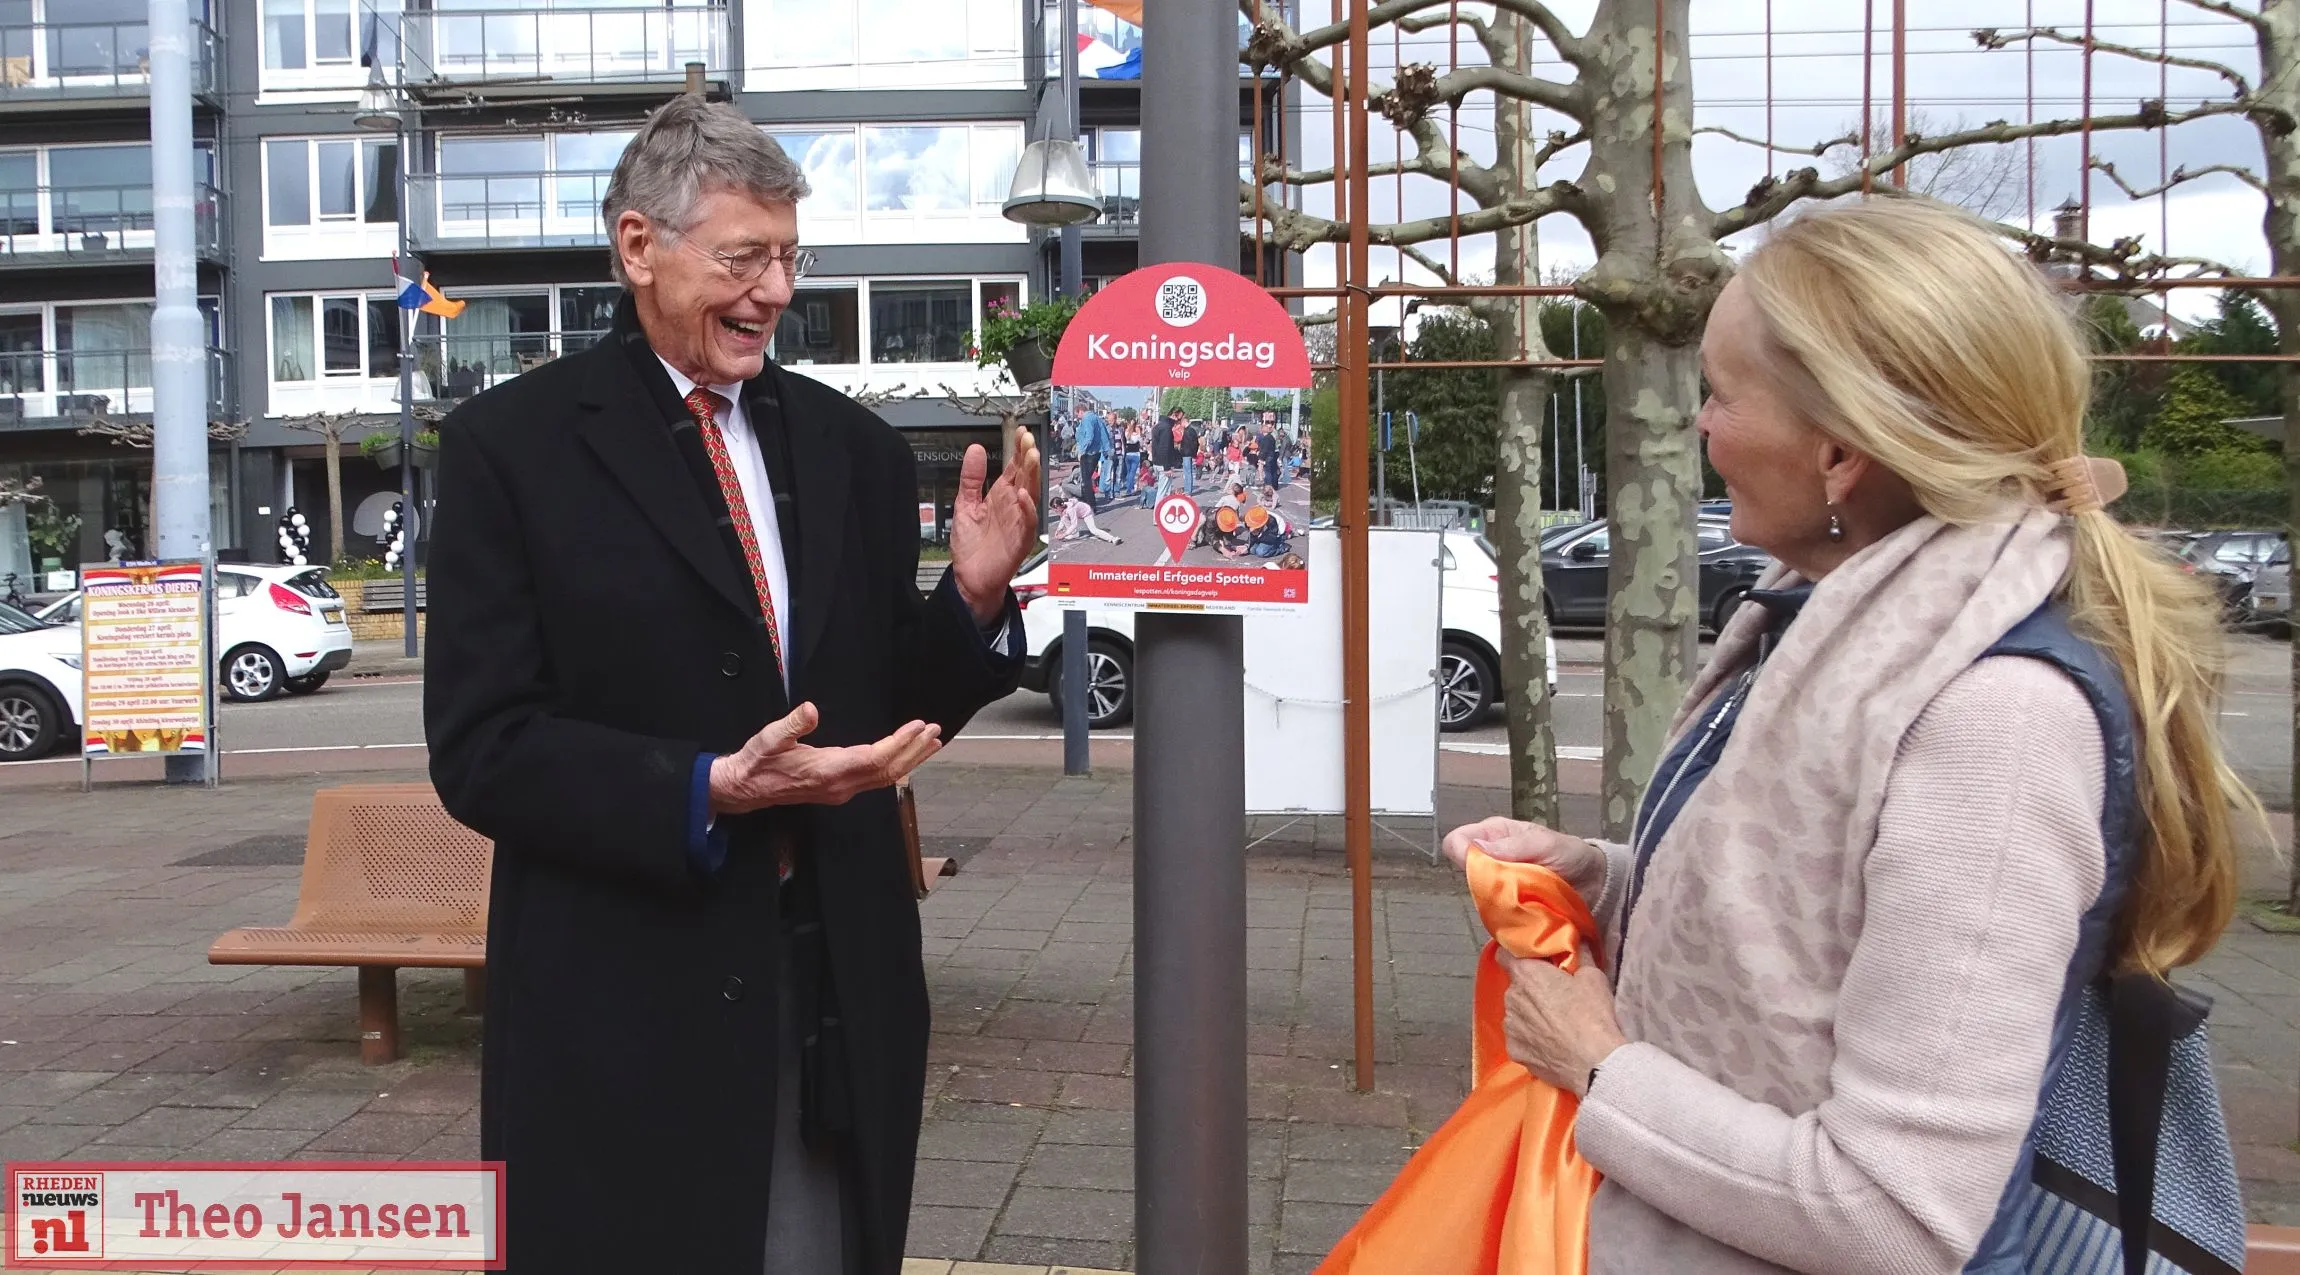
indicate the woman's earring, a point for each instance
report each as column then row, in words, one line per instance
column 1836, row 524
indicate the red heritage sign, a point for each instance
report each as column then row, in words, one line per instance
column 1183, row 324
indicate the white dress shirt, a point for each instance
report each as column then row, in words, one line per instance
column 759, row 495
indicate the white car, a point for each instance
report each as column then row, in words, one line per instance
column 39, row 685
column 280, row 629
column 1468, row 663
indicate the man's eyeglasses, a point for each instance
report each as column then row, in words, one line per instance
column 747, row 264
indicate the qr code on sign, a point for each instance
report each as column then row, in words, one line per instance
column 1181, row 301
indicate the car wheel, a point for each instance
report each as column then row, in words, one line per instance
column 31, row 722
column 1465, row 687
column 1110, row 683
column 306, row 684
column 252, row 674
column 1726, row 606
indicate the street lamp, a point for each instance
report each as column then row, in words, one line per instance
column 381, row 109
column 1053, row 187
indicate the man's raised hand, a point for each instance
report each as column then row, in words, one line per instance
column 775, row 769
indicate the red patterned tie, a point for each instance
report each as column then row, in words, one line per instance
column 705, row 407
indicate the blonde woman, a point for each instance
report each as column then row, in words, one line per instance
column 1872, row 876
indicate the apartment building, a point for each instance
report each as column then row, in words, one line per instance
column 908, row 116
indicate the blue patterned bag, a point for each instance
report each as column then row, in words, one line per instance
column 2128, row 1170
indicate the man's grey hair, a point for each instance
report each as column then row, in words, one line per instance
column 687, row 146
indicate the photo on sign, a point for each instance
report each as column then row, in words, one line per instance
column 1178, row 448
column 1189, row 476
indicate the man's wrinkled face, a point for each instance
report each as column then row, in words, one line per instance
column 700, row 312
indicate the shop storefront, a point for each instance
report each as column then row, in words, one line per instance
column 95, row 505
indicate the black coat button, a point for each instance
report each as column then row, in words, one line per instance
column 731, row 665
column 732, row 988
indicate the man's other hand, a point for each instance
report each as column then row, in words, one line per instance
column 992, row 532
column 775, row 769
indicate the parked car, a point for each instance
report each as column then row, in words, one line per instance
column 1469, row 680
column 39, row 685
column 1573, row 572
column 280, row 629
column 2231, row 559
column 2269, row 601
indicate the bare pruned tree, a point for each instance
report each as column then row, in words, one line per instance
column 332, row 428
column 1659, row 268
column 1989, row 181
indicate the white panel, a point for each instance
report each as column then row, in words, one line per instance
column 1294, row 684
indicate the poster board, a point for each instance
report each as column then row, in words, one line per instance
column 1294, row 682
column 146, row 680
column 1183, row 491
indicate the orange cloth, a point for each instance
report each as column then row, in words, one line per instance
column 1130, row 10
column 1499, row 1188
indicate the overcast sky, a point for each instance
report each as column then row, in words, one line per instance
column 1816, row 72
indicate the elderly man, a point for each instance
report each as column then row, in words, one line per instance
column 678, row 656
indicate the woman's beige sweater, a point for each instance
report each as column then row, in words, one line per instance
column 1839, row 1039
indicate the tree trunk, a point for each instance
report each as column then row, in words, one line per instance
column 1524, row 626
column 2279, row 41
column 1657, row 274
column 334, row 442
column 1517, row 480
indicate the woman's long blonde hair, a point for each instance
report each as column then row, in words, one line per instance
column 1913, row 334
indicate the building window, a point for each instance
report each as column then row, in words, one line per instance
column 828, row 158
column 908, row 182
column 334, row 337
column 821, row 325
column 529, row 190
column 886, row 322
column 312, row 181
column 585, row 314
column 819, row 44
column 300, row 34
column 23, row 358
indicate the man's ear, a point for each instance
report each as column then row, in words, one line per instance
column 635, row 236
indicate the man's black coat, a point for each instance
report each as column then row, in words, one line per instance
column 593, row 631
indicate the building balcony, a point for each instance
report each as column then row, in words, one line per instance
column 450, row 369
column 93, row 64
column 544, row 50
column 1122, row 201
column 46, row 389
column 98, row 225
column 505, row 210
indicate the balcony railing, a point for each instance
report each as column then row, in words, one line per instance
column 68, row 385
column 1122, row 198
column 51, row 60
column 608, row 44
column 47, row 225
column 506, row 210
column 450, row 369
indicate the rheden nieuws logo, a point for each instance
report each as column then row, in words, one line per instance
column 53, row 1212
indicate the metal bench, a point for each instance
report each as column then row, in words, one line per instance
column 391, row 595
column 389, row 880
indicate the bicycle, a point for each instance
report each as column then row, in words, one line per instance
column 15, row 596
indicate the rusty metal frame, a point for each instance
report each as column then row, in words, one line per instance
column 1355, row 291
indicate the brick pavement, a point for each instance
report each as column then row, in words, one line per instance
column 117, row 1040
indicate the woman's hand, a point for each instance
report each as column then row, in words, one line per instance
column 1512, row 841
column 1559, row 1026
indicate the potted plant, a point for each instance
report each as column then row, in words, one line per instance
column 1025, row 339
column 382, row 447
column 426, row 448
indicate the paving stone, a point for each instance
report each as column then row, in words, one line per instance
column 971, row 1184
column 939, row 1231
column 1067, row 1213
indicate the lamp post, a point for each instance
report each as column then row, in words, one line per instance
column 382, row 110
column 1053, row 187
